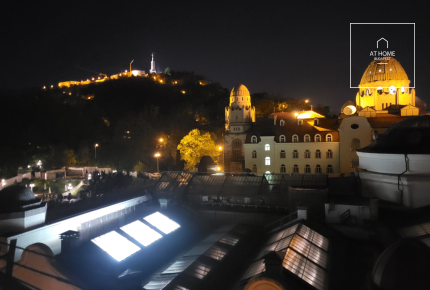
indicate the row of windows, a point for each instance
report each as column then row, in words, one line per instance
column 306, row 138
column 300, row 122
column 307, row 169
column 307, row 154
column 380, row 90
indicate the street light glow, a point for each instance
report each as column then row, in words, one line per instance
column 97, row 145
column 161, row 139
column 220, row 148
column 157, row 154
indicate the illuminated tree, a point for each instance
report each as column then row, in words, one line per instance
column 196, row 145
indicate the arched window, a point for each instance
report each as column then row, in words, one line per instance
column 267, row 147
column 254, row 154
column 329, row 153
column 307, row 154
column 307, row 169
column 402, row 90
column 328, row 138
column 368, row 92
column 267, row 161
column 281, row 123
column 296, row 168
column 282, row 153
column 282, row 139
column 254, row 139
column 355, row 144
column 318, row 169
column 295, row 138
column 300, row 122
column 307, row 138
column 295, row 154
column 282, row 168
column 329, row 169
column 317, row 138
column 254, row 168
column 318, row 154
column 316, row 122
column 379, row 90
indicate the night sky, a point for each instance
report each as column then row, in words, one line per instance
column 297, row 49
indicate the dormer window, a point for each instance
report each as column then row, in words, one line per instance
column 282, row 139
column 317, row 138
column 307, row 138
column 254, row 139
column 281, row 123
column 300, row 122
column 267, row 147
column 295, row 138
column 316, row 122
column 328, row 137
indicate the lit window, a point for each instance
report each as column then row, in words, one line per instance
column 282, row 123
column 162, row 222
column 116, row 245
column 329, row 169
column 329, row 154
column 300, row 122
column 267, row 147
column 282, row 139
column 254, row 154
column 282, row 168
column 368, row 92
column 141, row 233
column 307, row 154
column 328, row 137
column 316, row 121
column 254, row 139
column 295, row 154
column 267, row 161
column 402, row 90
column 307, row 169
column 296, row 168
column 318, row 169
column 307, row 138
column 295, row 138
column 318, row 154
column 318, row 138
column 282, row 153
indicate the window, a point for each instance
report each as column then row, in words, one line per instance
column 281, row 123
column 307, row 169
column 296, row 168
column 307, row 154
column 254, row 154
column 295, row 138
column 317, row 138
column 379, row 90
column 329, row 153
column 267, row 147
column 316, row 122
column 267, row 161
column 318, row 169
column 329, row 169
column 295, row 154
column 282, row 153
column 254, row 168
column 318, row 154
column 282, row 139
column 368, row 92
column 300, row 122
column 328, row 138
column 402, row 90
column 237, row 148
column 307, row 138
column 282, row 168
column 254, row 139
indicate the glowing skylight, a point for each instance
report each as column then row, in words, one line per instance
column 162, row 222
column 116, row 245
column 141, row 233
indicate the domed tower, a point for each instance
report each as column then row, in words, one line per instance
column 384, row 86
column 239, row 114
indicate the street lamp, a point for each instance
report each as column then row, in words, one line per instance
column 161, row 139
column 70, row 186
column 95, row 150
column 3, row 182
column 32, row 185
column 156, row 156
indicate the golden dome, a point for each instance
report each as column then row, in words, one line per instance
column 376, row 72
column 239, row 90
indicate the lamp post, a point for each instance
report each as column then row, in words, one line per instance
column 130, row 66
column 156, row 156
column 95, row 150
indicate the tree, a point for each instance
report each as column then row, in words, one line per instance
column 196, row 145
column 69, row 158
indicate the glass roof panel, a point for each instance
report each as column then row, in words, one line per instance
column 415, row 230
column 215, row 253
column 158, row 284
column 229, row 240
column 314, row 237
column 141, row 233
column 282, row 234
column 162, row 222
column 198, row 270
column 116, row 245
column 254, row 269
column 179, row 266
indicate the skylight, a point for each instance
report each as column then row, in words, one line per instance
column 162, row 222
column 116, row 245
column 141, row 233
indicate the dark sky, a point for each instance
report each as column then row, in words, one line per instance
column 298, row 49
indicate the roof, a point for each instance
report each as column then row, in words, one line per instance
column 393, row 70
column 239, row 90
column 17, row 195
column 411, row 136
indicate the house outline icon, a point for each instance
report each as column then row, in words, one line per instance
column 377, row 43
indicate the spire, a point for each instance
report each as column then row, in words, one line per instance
column 152, row 70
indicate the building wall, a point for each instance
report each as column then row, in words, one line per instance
column 275, row 155
column 358, row 213
column 346, row 136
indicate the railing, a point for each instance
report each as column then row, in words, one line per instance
column 226, row 205
column 345, row 215
column 281, row 222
